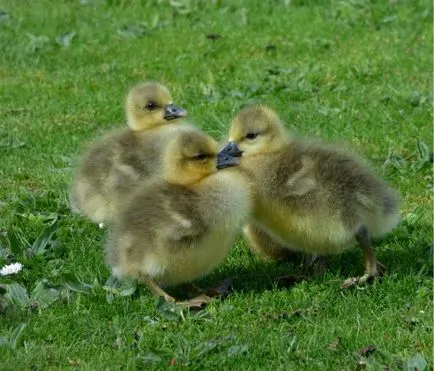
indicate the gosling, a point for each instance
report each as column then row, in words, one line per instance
column 116, row 163
column 181, row 225
column 308, row 196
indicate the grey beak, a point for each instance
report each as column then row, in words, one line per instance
column 231, row 149
column 172, row 112
column 224, row 161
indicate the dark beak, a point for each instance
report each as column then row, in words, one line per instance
column 172, row 112
column 231, row 149
column 224, row 161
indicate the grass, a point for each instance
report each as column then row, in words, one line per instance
column 356, row 71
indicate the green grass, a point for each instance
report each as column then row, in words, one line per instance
column 354, row 71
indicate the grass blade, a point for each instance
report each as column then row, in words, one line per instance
column 16, row 335
column 14, row 243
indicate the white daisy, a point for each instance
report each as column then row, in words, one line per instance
column 11, row 269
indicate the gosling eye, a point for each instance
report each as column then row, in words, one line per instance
column 251, row 136
column 200, row 156
column 151, row 106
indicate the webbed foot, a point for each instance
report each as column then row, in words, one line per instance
column 198, row 302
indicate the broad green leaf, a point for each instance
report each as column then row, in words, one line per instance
column 415, row 363
column 168, row 310
column 150, row 358
column 41, row 243
column 109, row 297
column 123, row 287
column 4, row 341
column 127, row 287
column 11, row 142
column 74, row 284
column 4, row 16
column 395, row 162
column 17, row 294
column 133, row 31
column 65, row 39
column 237, row 349
column 182, row 6
column 111, row 282
column 208, row 346
column 110, row 287
column 36, row 42
column 44, row 296
column 150, row 321
column 416, row 216
column 3, row 253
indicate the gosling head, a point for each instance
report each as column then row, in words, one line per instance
column 255, row 130
column 149, row 105
column 189, row 158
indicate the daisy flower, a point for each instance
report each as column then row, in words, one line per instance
column 11, row 269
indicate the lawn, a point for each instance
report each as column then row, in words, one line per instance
column 356, row 71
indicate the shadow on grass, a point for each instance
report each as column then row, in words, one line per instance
column 401, row 253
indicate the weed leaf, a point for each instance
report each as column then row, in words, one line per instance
column 367, row 351
column 151, row 358
column 127, row 287
column 36, row 42
column 65, row 39
column 168, row 310
column 415, row 363
column 4, row 16
column 124, row 287
column 182, row 6
column 133, row 31
column 43, row 296
column 210, row 345
column 11, row 142
column 334, row 344
column 72, row 283
column 41, row 243
column 17, row 294
column 4, row 341
column 237, row 349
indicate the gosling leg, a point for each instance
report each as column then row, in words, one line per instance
column 155, row 289
column 373, row 268
column 192, row 289
column 314, row 264
column 197, row 302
